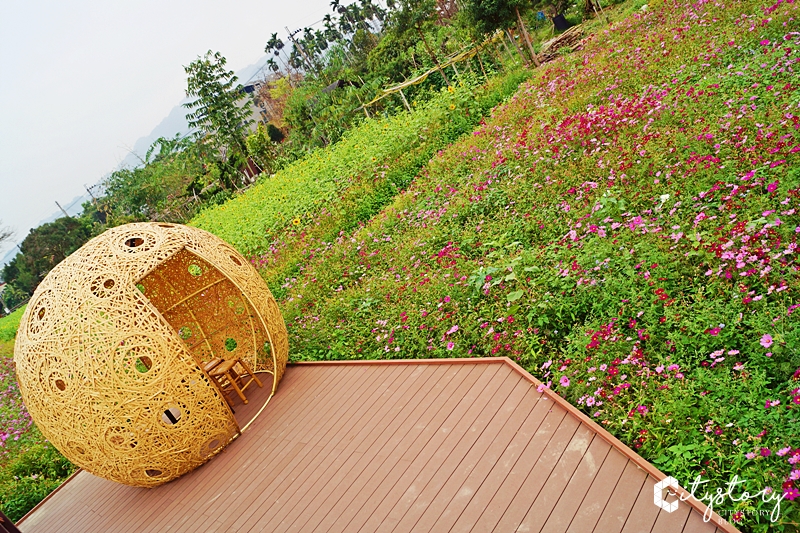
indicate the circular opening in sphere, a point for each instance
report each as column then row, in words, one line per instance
column 134, row 242
column 171, row 416
column 108, row 284
column 143, row 364
column 195, row 270
column 236, row 260
column 60, row 385
column 166, row 226
column 153, row 472
column 40, row 313
column 231, row 344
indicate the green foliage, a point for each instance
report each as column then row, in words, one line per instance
column 488, row 16
column 262, row 149
column 625, row 227
column 217, row 109
column 356, row 177
column 9, row 325
column 29, row 477
column 43, row 248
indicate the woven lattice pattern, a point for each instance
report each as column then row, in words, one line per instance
column 110, row 350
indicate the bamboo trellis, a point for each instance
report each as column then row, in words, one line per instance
column 460, row 56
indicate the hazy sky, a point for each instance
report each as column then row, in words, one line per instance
column 81, row 81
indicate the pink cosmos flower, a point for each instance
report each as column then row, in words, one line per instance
column 772, row 187
column 564, row 381
column 791, row 493
column 784, row 451
column 452, row 330
column 764, row 42
column 446, row 299
column 766, row 340
column 750, row 455
column 765, row 452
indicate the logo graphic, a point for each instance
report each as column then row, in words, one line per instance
column 658, row 494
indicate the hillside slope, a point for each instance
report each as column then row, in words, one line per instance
column 625, row 228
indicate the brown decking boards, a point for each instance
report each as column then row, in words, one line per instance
column 444, row 445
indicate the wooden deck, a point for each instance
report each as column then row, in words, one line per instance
column 445, row 445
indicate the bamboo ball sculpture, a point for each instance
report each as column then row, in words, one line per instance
column 110, row 350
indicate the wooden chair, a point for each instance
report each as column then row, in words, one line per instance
column 225, row 375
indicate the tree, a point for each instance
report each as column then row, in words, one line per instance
column 216, row 109
column 488, row 16
column 43, row 248
column 413, row 16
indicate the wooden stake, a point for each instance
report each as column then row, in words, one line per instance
column 405, row 102
column 527, row 37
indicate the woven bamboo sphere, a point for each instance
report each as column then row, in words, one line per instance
column 110, row 350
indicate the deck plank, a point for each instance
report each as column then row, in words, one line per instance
column 439, row 445
column 456, row 496
column 599, row 493
column 402, row 495
column 395, row 418
column 619, row 506
column 430, row 481
column 696, row 524
column 389, row 459
column 572, row 496
column 644, row 513
column 551, row 428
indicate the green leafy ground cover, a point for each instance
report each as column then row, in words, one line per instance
column 625, row 228
column 30, row 467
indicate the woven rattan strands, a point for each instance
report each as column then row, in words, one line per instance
column 110, row 350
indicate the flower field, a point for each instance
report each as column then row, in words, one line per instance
column 30, row 467
column 625, row 227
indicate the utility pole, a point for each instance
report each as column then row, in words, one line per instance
column 299, row 47
column 62, row 210
column 94, row 200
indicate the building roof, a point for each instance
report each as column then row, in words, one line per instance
column 438, row 445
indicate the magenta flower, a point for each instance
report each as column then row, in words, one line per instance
column 765, row 452
column 564, row 381
column 766, row 340
column 451, row 345
column 772, row 187
column 764, row 42
column 791, row 493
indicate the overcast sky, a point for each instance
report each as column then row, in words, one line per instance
column 81, row 81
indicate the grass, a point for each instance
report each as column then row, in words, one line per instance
column 624, row 227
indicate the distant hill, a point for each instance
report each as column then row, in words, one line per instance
column 172, row 124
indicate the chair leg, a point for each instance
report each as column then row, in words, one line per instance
column 252, row 374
